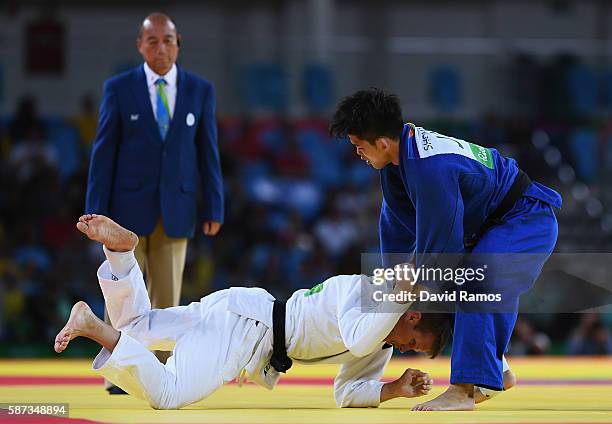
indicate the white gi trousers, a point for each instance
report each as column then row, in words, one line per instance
column 210, row 344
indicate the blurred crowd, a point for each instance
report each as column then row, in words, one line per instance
column 300, row 207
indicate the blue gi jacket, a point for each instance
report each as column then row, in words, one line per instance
column 443, row 189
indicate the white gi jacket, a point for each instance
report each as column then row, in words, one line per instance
column 330, row 323
column 231, row 330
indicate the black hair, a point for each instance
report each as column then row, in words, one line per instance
column 368, row 114
column 440, row 325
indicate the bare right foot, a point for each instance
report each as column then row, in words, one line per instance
column 458, row 397
column 82, row 322
column 106, row 231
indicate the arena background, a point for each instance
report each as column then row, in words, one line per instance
column 531, row 78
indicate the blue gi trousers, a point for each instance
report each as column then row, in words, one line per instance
column 514, row 253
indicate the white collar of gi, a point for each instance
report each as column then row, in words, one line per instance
column 170, row 77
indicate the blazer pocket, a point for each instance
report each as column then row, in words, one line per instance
column 131, row 185
column 188, row 187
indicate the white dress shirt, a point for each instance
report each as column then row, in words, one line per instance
column 170, row 87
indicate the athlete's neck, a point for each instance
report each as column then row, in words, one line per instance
column 394, row 151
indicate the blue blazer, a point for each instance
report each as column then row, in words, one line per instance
column 135, row 177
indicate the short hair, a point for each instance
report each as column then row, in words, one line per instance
column 440, row 325
column 156, row 16
column 368, row 114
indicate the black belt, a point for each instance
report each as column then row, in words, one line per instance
column 280, row 361
column 520, row 184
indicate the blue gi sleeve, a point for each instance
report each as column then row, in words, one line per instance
column 103, row 154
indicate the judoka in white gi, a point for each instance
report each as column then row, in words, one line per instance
column 229, row 333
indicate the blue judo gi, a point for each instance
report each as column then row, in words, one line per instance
column 442, row 191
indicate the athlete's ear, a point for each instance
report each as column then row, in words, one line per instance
column 382, row 143
column 414, row 316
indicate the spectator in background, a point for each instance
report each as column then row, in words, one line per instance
column 32, row 161
column 336, row 232
column 289, row 159
column 26, row 120
column 86, row 121
column 156, row 142
column 32, row 155
column 527, row 340
column 591, row 337
column 5, row 143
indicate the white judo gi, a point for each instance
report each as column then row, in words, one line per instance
column 229, row 331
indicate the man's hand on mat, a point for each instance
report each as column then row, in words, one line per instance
column 412, row 383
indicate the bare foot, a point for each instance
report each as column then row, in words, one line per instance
column 509, row 382
column 106, row 231
column 82, row 322
column 458, row 397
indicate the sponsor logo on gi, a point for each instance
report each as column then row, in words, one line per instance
column 482, row 153
column 426, row 143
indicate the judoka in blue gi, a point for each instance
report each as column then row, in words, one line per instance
column 443, row 195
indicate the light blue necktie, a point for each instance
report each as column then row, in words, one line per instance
column 163, row 111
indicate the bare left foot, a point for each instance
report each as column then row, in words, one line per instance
column 82, row 322
column 509, row 382
column 106, row 231
column 458, row 397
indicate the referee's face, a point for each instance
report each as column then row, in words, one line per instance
column 158, row 44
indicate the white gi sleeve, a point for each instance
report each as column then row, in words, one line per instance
column 126, row 299
column 364, row 331
column 358, row 384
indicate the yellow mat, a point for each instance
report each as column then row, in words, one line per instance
column 550, row 390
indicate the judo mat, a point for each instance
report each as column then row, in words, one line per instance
column 550, row 390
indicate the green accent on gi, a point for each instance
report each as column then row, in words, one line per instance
column 482, row 155
column 314, row 290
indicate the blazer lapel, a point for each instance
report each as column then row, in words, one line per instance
column 179, row 104
column 141, row 92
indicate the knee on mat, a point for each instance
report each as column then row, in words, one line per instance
column 166, row 402
column 163, row 406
